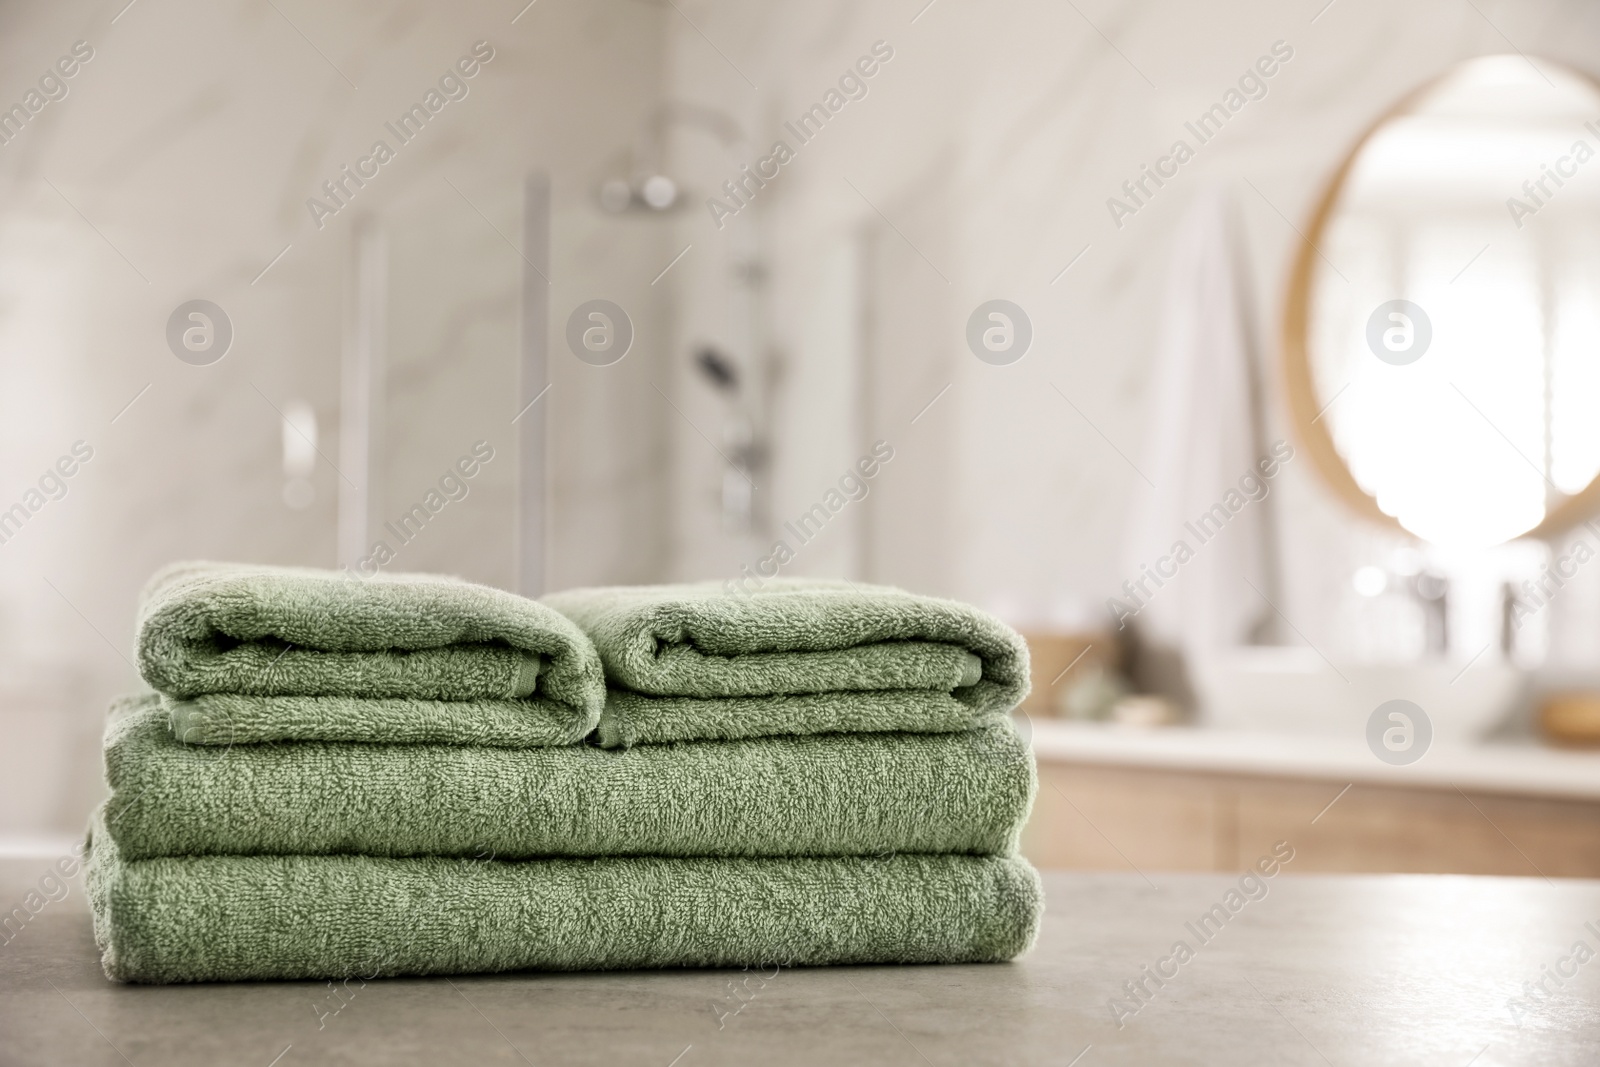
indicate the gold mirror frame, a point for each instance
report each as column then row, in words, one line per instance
column 1297, row 380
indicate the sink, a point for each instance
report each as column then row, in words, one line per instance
column 1295, row 690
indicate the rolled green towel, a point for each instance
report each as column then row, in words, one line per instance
column 229, row 918
column 840, row 794
column 256, row 634
column 845, row 645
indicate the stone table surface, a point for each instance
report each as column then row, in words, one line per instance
column 1322, row 970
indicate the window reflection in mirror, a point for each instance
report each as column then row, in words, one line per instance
column 1453, row 327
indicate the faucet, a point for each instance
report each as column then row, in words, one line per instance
column 1432, row 593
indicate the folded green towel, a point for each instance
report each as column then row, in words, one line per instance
column 835, row 640
column 633, row 718
column 837, row 794
column 270, row 632
column 234, row 719
column 227, row 918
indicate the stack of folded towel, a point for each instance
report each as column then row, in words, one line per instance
column 393, row 776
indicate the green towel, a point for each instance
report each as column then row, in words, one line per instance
column 838, row 794
column 259, row 633
column 232, row 719
column 633, row 718
column 228, row 918
column 836, row 641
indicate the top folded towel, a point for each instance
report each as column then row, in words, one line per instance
column 796, row 637
column 207, row 628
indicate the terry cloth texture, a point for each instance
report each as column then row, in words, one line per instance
column 833, row 640
column 633, row 718
column 270, row 632
column 820, row 795
column 226, row 918
column 230, row 719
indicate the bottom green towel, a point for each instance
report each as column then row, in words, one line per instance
column 227, row 918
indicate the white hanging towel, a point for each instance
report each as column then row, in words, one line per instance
column 1202, row 561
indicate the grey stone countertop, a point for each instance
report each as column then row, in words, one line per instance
column 1335, row 970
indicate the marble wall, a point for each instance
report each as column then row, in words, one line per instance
column 178, row 166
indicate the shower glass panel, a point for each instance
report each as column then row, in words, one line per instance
column 443, row 447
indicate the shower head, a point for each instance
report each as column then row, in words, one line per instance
column 656, row 192
column 648, row 187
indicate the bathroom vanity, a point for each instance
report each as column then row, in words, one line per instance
column 1192, row 799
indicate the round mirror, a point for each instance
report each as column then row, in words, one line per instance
column 1442, row 333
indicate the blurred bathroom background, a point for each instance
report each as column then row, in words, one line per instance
column 821, row 309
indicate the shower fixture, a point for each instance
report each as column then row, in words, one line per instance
column 743, row 446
